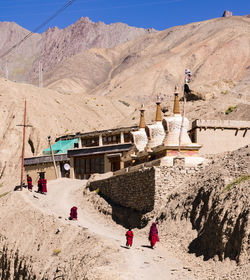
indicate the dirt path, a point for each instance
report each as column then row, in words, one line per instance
column 139, row 262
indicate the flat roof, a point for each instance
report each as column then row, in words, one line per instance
column 45, row 159
column 115, row 148
column 230, row 124
column 106, row 132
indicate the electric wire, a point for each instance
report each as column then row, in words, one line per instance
column 38, row 28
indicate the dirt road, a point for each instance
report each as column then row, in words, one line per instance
column 139, row 262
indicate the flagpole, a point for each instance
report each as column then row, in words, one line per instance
column 186, row 81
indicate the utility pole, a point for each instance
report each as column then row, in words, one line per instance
column 23, row 148
column 186, row 81
column 52, row 155
column 40, row 74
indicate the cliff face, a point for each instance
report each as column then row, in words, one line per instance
column 216, row 203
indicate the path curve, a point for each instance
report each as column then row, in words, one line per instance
column 140, row 262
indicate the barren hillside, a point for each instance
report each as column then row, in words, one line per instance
column 20, row 61
column 203, row 218
column 55, row 45
column 217, row 51
column 50, row 113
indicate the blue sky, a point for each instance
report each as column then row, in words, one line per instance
column 159, row 14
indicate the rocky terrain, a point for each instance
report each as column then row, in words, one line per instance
column 203, row 225
column 96, row 77
column 204, row 215
column 216, row 51
column 55, row 45
column 216, row 202
column 103, row 88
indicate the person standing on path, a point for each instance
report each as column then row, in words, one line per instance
column 129, row 236
column 73, row 213
column 42, row 184
column 29, row 181
column 153, row 235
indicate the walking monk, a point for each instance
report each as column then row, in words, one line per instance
column 153, row 235
column 29, row 181
column 129, row 235
column 73, row 213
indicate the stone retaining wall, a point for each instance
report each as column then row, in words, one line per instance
column 141, row 191
column 135, row 190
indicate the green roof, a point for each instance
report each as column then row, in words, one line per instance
column 61, row 146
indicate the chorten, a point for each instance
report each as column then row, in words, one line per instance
column 177, row 141
column 140, row 136
column 173, row 126
column 140, row 140
column 155, row 131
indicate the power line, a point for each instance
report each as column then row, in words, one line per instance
column 38, row 28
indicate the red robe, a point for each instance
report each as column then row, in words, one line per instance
column 29, row 180
column 129, row 235
column 44, row 185
column 40, row 185
column 153, row 235
column 73, row 213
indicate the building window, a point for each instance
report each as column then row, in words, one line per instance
column 86, row 166
column 127, row 137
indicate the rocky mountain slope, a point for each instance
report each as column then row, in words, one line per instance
column 217, row 52
column 216, row 203
column 55, row 45
column 20, row 61
column 103, row 88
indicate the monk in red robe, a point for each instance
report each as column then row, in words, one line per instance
column 129, row 235
column 44, row 185
column 40, row 185
column 29, row 181
column 73, row 213
column 153, row 235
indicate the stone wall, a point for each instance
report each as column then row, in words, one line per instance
column 138, row 194
column 135, row 190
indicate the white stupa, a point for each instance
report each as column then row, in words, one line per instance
column 155, row 132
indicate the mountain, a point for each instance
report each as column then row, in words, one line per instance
column 102, row 88
column 55, row 45
column 21, row 60
column 217, row 51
